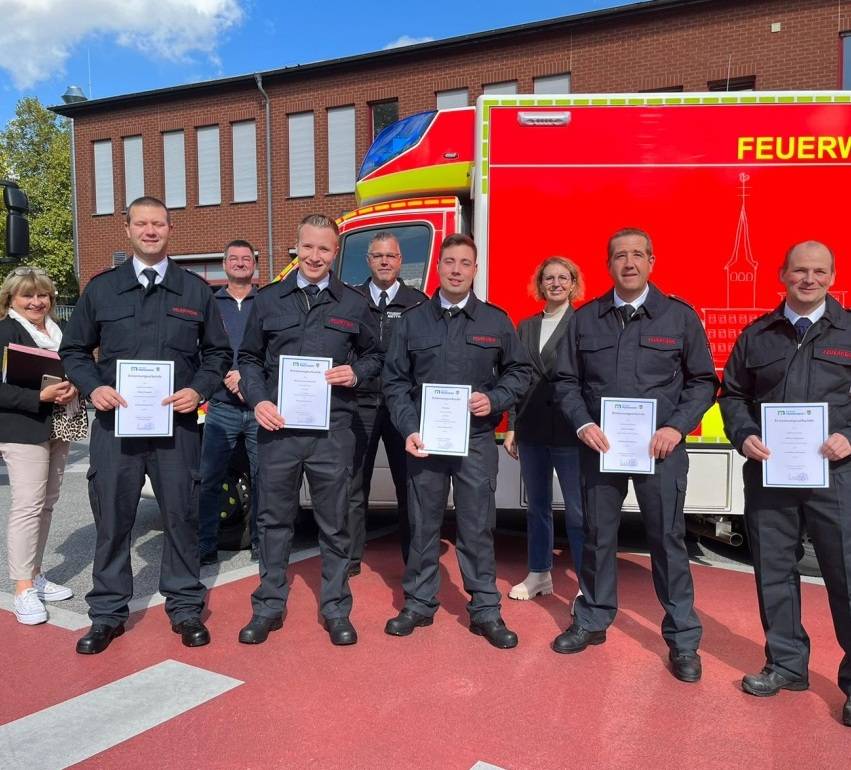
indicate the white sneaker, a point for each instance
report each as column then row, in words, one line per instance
column 50, row 592
column 28, row 608
column 535, row 583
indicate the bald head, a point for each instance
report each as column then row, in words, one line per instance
column 809, row 246
column 808, row 272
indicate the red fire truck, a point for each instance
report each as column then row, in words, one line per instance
column 724, row 183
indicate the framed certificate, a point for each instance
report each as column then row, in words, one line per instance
column 629, row 425
column 304, row 397
column 445, row 419
column 795, row 433
column 144, row 385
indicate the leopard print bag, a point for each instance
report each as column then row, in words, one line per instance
column 73, row 427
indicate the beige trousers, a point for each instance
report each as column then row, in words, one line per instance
column 35, row 476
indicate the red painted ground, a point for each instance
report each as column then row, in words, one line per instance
column 444, row 698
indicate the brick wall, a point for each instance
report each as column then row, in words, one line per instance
column 660, row 48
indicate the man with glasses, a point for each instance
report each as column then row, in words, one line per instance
column 636, row 342
column 388, row 298
column 148, row 308
column 228, row 417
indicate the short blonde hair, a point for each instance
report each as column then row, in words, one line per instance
column 23, row 279
column 536, row 285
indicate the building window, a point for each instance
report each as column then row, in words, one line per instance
column 174, row 169
column 341, row 150
column 507, row 87
column 301, row 153
column 663, row 90
column 456, row 97
column 746, row 83
column 552, row 84
column 104, row 194
column 383, row 114
column 244, row 136
column 209, row 166
column 846, row 62
column 134, row 169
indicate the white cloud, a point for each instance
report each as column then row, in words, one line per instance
column 38, row 36
column 407, row 40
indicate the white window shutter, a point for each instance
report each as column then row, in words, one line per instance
column 457, row 97
column 244, row 136
column 552, row 84
column 301, row 155
column 174, row 167
column 209, row 166
column 104, row 192
column 341, row 150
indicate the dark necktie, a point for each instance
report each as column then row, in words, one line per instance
column 312, row 291
column 151, row 275
column 627, row 312
column 801, row 326
column 451, row 312
column 382, row 302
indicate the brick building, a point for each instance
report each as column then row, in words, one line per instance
column 205, row 148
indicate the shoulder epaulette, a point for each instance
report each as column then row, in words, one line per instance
column 103, row 272
column 682, row 301
column 495, row 307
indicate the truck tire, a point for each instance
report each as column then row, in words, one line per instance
column 808, row 563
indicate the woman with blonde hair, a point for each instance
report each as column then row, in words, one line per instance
column 540, row 436
column 36, row 427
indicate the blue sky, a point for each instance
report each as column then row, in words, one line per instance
column 101, row 45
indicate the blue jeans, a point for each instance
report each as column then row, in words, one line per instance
column 224, row 424
column 537, row 463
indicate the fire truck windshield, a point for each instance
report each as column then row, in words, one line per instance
column 394, row 140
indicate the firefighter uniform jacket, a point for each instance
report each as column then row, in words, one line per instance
column 179, row 323
column 767, row 366
column 662, row 353
column 369, row 391
column 337, row 325
column 486, row 354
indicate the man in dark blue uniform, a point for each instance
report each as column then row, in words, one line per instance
column 388, row 298
column 310, row 313
column 799, row 353
column 454, row 339
column 635, row 342
column 149, row 308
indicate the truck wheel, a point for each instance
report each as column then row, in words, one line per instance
column 808, row 564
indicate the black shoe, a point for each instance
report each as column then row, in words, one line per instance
column 405, row 623
column 211, row 557
column 768, row 682
column 846, row 713
column 258, row 629
column 495, row 632
column 576, row 639
column 354, row 569
column 98, row 638
column 341, row 631
column 685, row 666
column 193, row 632
column 255, row 553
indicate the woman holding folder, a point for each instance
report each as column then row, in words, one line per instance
column 539, row 436
column 37, row 425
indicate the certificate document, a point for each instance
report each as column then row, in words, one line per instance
column 304, row 398
column 629, row 425
column 794, row 433
column 445, row 419
column 144, row 385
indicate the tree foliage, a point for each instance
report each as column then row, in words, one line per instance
column 35, row 151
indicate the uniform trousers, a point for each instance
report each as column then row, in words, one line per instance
column 35, row 478
column 284, row 457
column 116, row 476
column 775, row 520
column 661, row 498
column 473, row 484
column 371, row 424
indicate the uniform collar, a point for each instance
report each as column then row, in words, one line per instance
column 334, row 286
column 375, row 292
column 652, row 300
column 469, row 308
column 128, row 280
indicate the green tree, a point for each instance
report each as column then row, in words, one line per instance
column 35, row 151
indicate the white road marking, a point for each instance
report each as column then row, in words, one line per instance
column 81, row 727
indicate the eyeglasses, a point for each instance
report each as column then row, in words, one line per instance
column 559, row 278
column 384, row 255
column 29, row 271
